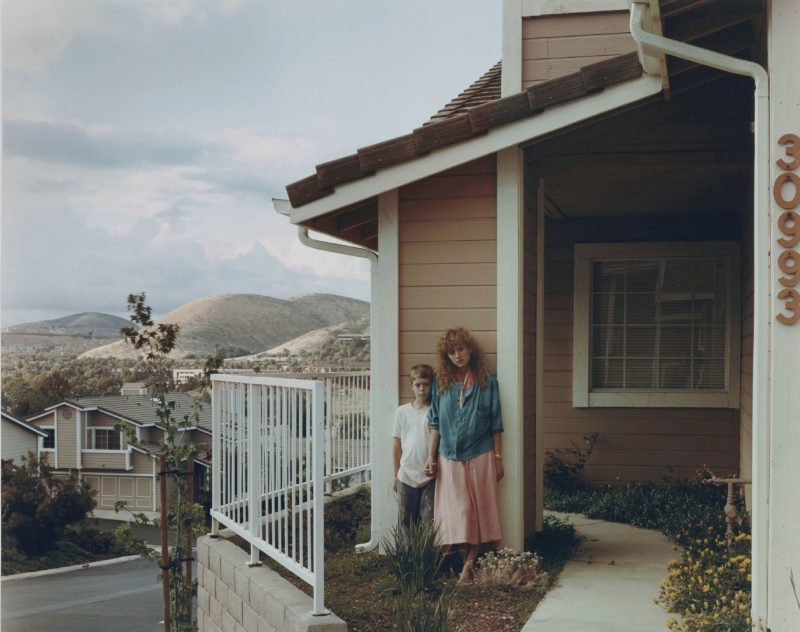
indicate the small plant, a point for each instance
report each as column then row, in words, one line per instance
column 414, row 557
column 508, row 568
column 563, row 467
column 418, row 613
column 709, row 586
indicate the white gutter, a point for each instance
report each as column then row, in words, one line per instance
column 283, row 207
column 761, row 284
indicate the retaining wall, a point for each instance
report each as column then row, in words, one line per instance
column 233, row 597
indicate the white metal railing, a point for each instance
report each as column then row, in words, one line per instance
column 267, row 470
column 347, row 425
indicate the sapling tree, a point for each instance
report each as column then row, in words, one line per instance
column 174, row 453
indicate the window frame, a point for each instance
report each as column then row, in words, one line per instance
column 91, row 439
column 582, row 394
column 45, row 429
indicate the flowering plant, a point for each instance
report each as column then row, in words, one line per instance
column 514, row 570
column 709, row 586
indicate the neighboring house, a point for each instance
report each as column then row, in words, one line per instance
column 84, row 439
column 19, row 437
column 618, row 228
column 134, row 388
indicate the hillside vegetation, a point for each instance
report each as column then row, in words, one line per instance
column 245, row 324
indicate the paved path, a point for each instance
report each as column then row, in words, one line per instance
column 610, row 584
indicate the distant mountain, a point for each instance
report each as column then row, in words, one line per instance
column 245, row 324
column 71, row 334
column 93, row 324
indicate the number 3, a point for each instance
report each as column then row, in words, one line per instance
column 793, row 150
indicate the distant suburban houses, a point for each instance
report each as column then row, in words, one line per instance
column 84, row 437
column 19, row 437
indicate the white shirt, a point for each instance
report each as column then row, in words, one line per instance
column 411, row 427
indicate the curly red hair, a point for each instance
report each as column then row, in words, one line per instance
column 449, row 340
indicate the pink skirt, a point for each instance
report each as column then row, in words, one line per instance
column 467, row 505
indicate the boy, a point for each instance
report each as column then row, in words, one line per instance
column 411, row 435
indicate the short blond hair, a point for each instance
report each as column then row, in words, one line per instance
column 420, row 371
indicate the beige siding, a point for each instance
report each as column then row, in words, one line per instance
column 102, row 460
column 633, row 444
column 17, row 441
column 556, row 45
column 66, row 437
column 447, row 257
column 142, row 463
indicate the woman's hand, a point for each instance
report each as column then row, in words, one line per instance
column 498, row 466
column 431, row 465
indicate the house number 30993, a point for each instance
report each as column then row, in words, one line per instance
column 789, row 225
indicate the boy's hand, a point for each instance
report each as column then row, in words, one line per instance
column 394, row 485
column 430, row 466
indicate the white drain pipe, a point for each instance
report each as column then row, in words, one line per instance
column 372, row 257
column 761, row 283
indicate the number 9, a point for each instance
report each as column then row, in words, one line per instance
column 793, row 231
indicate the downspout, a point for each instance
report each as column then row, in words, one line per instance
column 372, row 257
column 761, row 284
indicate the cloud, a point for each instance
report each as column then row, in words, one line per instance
column 53, row 141
column 74, row 267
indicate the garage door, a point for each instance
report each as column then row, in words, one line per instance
column 136, row 491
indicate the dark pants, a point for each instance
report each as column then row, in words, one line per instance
column 415, row 503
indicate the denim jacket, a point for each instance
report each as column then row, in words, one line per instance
column 466, row 432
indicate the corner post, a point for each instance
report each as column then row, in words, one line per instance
column 510, row 233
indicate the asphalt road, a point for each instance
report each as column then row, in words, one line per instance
column 117, row 598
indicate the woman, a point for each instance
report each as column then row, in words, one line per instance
column 465, row 452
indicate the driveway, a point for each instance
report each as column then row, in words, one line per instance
column 121, row 597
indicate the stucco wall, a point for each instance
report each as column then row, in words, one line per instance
column 234, row 596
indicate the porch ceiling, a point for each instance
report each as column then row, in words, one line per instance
column 693, row 154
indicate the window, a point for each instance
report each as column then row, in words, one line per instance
column 656, row 325
column 103, row 439
column 49, row 442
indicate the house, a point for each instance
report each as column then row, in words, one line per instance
column 19, row 437
column 83, row 438
column 612, row 211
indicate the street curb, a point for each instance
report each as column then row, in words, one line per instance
column 67, row 569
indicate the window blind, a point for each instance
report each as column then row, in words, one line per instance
column 659, row 324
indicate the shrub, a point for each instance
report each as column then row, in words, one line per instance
column 709, row 586
column 38, row 507
column 417, row 613
column 344, row 519
column 555, row 543
column 510, row 569
column 563, row 467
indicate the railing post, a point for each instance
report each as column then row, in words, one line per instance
column 253, row 465
column 329, row 386
column 319, row 498
column 216, row 453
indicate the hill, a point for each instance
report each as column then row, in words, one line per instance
column 313, row 341
column 73, row 333
column 244, row 324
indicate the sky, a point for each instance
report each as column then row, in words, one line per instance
column 143, row 140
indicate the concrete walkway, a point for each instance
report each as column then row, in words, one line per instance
column 610, row 584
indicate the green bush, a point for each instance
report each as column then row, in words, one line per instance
column 38, row 507
column 555, row 543
column 345, row 519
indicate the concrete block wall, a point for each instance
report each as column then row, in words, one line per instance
column 233, row 597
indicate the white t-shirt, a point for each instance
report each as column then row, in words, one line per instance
column 411, row 427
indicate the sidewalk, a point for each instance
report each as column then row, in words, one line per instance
column 610, row 583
